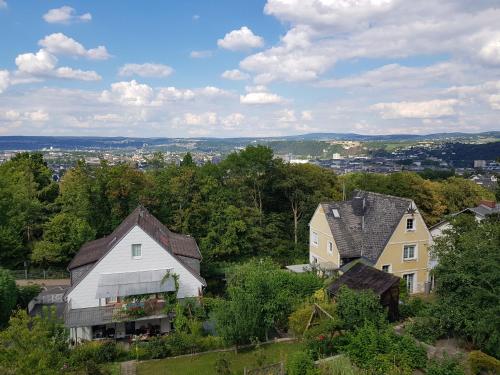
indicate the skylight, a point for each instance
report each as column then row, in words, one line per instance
column 335, row 212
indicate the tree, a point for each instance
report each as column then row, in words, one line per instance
column 33, row 346
column 261, row 296
column 8, row 295
column 63, row 235
column 304, row 186
column 187, row 161
column 468, row 281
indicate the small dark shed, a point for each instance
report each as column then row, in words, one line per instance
column 363, row 277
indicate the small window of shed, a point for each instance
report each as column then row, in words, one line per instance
column 335, row 212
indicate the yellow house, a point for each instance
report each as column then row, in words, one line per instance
column 387, row 232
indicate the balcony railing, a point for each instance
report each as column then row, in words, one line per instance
column 123, row 311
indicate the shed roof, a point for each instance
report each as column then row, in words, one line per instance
column 364, row 224
column 363, row 277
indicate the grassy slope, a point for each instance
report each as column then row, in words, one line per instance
column 204, row 363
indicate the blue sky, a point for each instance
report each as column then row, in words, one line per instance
column 243, row 68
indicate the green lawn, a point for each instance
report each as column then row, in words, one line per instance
column 204, row 363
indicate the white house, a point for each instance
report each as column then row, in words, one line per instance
column 139, row 258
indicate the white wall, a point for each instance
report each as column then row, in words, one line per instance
column 119, row 259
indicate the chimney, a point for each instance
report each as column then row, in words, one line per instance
column 490, row 204
column 358, row 206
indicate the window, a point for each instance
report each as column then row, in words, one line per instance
column 112, row 300
column 410, row 224
column 314, row 239
column 136, row 251
column 330, row 247
column 335, row 213
column 410, row 282
column 409, row 252
column 386, row 268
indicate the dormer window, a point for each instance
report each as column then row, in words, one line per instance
column 136, row 251
column 410, row 224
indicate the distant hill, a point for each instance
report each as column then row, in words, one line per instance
column 82, row 143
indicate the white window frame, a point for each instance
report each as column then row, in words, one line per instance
column 414, row 227
column 415, row 252
column 314, row 239
column 389, row 268
column 329, row 247
column 414, row 281
column 132, row 250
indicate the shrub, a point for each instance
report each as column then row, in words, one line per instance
column 355, row 308
column 480, row 362
column 300, row 363
column 382, row 351
column 8, row 296
column 297, row 320
column 413, row 306
column 157, row 348
column 94, row 351
column 209, row 343
column 444, row 366
column 222, row 365
column 180, row 343
column 339, row 365
column 425, row 329
column 26, row 293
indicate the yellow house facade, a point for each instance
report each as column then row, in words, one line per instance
column 387, row 232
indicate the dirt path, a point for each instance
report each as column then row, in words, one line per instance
column 128, row 368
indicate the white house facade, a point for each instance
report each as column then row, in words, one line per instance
column 118, row 283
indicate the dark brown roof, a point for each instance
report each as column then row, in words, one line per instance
column 365, row 223
column 363, row 277
column 174, row 243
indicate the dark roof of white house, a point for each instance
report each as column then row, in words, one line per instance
column 362, row 226
column 174, row 243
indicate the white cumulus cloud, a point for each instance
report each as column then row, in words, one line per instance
column 235, row 75
column 128, row 93
column 490, row 52
column 41, row 62
column 65, row 15
column 145, row 70
column 260, row 98
column 240, row 40
column 60, row 44
column 4, row 80
column 419, row 110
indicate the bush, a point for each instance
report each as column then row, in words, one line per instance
column 8, row 296
column 339, row 365
column 444, row 366
column 297, row 321
column 157, row 348
column 300, row 363
column 222, row 365
column 94, row 351
column 480, row 362
column 209, row 343
column 413, row 306
column 382, row 351
column 355, row 308
column 26, row 293
column 425, row 329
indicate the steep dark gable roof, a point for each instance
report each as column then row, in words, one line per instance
column 358, row 235
column 176, row 244
column 363, row 277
